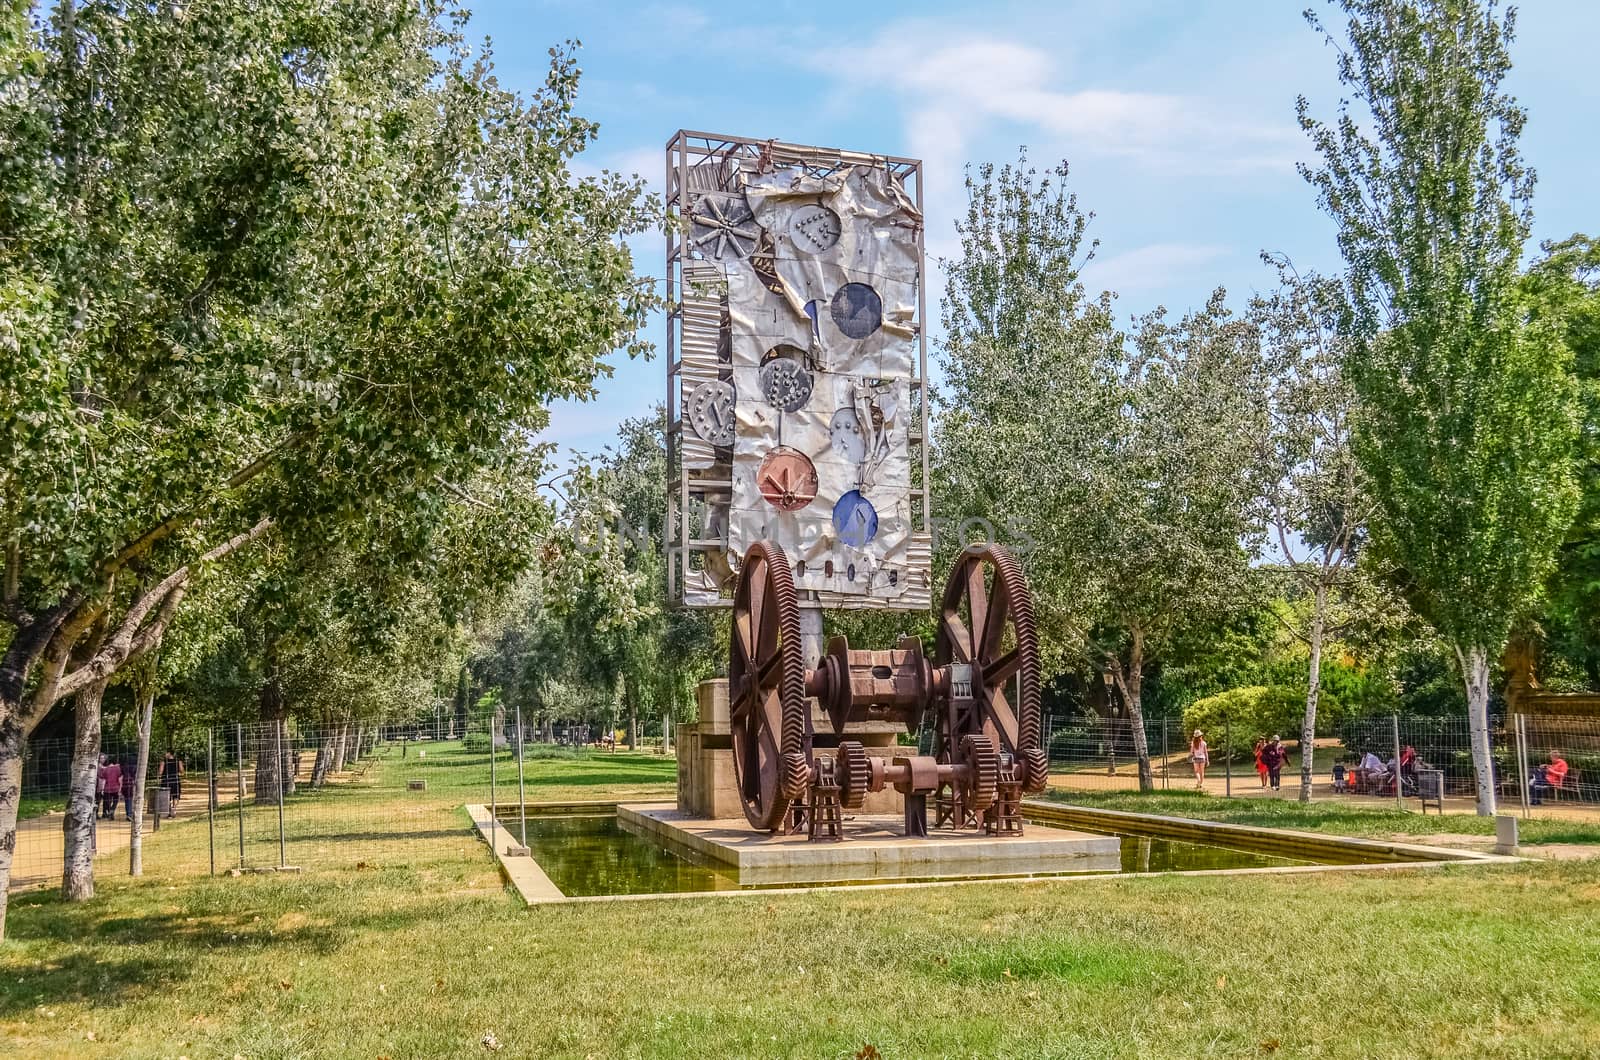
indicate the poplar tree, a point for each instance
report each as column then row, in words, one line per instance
column 1465, row 425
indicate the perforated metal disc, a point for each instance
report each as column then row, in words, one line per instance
column 786, row 384
column 711, row 412
column 814, row 228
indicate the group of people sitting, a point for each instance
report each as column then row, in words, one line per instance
column 1372, row 775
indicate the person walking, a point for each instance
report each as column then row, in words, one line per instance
column 100, row 787
column 1261, row 767
column 1199, row 756
column 171, row 781
column 111, row 777
column 1273, row 756
column 127, row 789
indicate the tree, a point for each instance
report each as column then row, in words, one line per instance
column 1466, row 425
column 1316, row 502
column 294, row 269
column 1128, row 459
column 1564, row 287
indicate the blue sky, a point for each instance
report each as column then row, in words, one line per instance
column 1177, row 119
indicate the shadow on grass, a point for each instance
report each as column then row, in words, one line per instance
column 103, row 959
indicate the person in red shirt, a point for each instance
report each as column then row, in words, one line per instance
column 1547, row 777
column 111, row 789
column 1273, row 756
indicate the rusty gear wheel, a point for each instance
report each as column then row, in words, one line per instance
column 987, row 622
column 983, row 766
column 854, row 771
column 767, row 688
column 1034, row 768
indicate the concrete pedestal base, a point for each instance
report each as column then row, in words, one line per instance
column 873, row 849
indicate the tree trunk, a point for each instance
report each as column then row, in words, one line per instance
column 12, row 742
column 633, row 717
column 83, row 804
column 1475, row 671
column 1131, row 685
column 141, row 772
column 1308, row 726
column 319, row 768
column 269, row 764
column 341, row 748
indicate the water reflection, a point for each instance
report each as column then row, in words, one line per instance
column 594, row 855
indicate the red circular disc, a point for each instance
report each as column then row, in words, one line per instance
column 787, row 479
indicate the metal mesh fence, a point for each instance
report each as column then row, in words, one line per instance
column 1096, row 753
column 265, row 796
column 287, row 795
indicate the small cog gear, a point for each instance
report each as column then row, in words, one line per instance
column 983, row 765
column 854, row 771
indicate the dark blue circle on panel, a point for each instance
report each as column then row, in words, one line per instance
column 855, row 519
column 857, row 310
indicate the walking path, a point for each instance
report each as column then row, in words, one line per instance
column 41, row 843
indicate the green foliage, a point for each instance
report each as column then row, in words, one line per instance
column 1127, row 459
column 1466, row 427
column 1564, row 287
column 326, row 276
column 1238, row 717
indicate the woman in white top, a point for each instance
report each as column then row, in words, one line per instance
column 1199, row 755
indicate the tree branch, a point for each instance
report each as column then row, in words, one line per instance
column 133, row 635
column 170, row 525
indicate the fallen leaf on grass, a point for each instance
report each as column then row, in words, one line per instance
column 490, row 1042
column 1222, row 982
column 285, row 984
column 869, row 1052
column 1270, row 1045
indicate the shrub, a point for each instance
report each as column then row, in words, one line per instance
column 475, row 742
column 1246, row 713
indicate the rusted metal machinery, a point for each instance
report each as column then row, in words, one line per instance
column 978, row 696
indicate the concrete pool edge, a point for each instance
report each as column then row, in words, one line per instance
column 1286, row 842
column 535, row 888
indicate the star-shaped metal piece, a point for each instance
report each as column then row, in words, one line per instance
column 724, row 227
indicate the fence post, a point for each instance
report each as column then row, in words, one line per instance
column 283, row 858
column 1227, row 756
column 522, row 796
column 1399, row 785
column 238, row 735
column 494, row 807
column 1166, row 759
column 1520, row 746
column 211, row 797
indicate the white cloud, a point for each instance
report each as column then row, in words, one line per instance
column 951, row 87
column 1152, row 267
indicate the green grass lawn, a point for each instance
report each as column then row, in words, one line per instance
column 38, row 805
column 421, row 952
column 1326, row 815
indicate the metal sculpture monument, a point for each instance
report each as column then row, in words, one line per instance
column 796, row 445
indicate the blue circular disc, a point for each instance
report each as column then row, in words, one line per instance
column 855, row 519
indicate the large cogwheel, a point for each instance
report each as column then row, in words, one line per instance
column 796, row 775
column 1035, row 765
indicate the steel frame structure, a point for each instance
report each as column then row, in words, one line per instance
column 700, row 162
